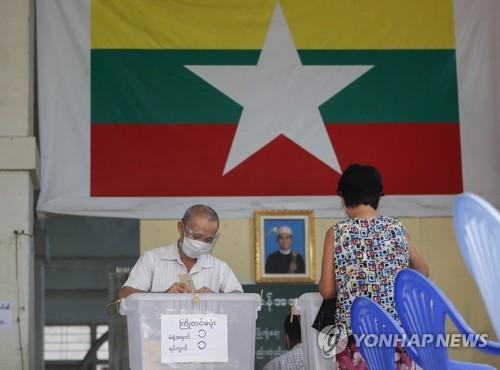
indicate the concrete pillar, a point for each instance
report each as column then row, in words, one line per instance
column 18, row 178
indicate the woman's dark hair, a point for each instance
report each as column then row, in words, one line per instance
column 360, row 184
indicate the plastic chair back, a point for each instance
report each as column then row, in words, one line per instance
column 368, row 318
column 422, row 309
column 477, row 228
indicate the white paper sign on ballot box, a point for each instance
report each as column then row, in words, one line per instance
column 194, row 338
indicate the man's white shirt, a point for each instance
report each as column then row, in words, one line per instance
column 159, row 268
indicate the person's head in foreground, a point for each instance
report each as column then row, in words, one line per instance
column 293, row 359
column 285, row 238
column 360, row 187
column 198, row 230
column 293, row 335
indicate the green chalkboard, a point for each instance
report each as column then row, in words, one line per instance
column 277, row 300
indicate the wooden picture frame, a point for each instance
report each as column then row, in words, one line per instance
column 284, row 246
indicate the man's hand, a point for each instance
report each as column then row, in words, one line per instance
column 178, row 288
column 204, row 290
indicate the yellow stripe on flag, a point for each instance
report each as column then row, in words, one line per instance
column 243, row 24
column 167, row 24
column 371, row 24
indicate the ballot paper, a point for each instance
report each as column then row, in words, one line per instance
column 188, row 281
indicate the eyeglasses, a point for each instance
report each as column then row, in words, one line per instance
column 197, row 236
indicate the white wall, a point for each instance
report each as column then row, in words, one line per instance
column 18, row 163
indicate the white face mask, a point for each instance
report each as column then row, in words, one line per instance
column 195, row 248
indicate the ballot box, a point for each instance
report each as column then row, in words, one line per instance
column 188, row 331
column 316, row 352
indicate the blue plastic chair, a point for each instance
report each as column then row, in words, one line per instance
column 477, row 228
column 422, row 309
column 368, row 318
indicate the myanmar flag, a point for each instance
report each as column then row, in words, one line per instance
column 258, row 97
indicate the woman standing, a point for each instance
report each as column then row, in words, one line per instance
column 362, row 256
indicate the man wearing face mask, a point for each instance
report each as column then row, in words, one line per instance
column 162, row 269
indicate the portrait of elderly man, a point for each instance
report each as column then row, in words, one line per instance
column 285, row 260
column 162, row 269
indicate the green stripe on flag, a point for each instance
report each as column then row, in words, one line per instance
column 403, row 86
column 153, row 86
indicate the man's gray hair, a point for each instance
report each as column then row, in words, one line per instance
column 200, row 210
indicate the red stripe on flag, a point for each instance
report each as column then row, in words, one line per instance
column 414, row 158
column 188, row 160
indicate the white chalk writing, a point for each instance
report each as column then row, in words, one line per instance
column 270, row 353
column 268, row 301
column 267, row 334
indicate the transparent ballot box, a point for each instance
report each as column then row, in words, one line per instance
column 183, row 331
column 307, row 306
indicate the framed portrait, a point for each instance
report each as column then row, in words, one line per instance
column 284, row 246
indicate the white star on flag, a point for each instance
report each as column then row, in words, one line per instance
column 280, row 96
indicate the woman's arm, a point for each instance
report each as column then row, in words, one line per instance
column 327, row 285
column 417, row 262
